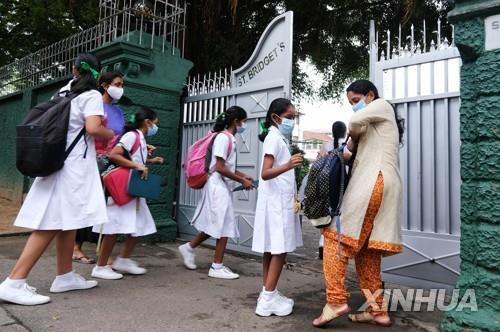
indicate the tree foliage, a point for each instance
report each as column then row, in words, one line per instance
column 331, row 34
column 28, row 25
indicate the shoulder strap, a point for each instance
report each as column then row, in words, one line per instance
column 137, row 143
column 230, row 145
column 73, row 144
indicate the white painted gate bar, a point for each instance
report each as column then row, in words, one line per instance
column 424, row 85
column 265, row 76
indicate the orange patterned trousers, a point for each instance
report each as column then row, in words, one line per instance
column 367, row 260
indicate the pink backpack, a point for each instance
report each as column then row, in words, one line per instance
column 198, row 159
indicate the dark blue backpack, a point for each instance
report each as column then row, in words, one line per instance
column 325, row 187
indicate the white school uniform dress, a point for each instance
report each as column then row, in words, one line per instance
column 214, row 214
column 276, row 226
column 133, row 218
column 71, row 198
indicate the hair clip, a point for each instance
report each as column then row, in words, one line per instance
column 222, row 116
column 263, row 127
column 85, row 66
column 132, row 118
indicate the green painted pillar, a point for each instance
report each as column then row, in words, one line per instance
column 154, row 78
column 477, row 31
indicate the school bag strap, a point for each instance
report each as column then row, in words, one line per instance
column 135, row 147
column 75, row 141
column 81, row 133
column 137, row 143
column 208, row 158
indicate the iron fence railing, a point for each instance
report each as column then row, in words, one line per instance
column 163, row 22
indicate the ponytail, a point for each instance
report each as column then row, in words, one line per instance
column 400, row 122
column 88, row 67
column 339, row 130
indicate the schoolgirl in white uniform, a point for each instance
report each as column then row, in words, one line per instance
column 276, row 226
column 66, row 200
column 133, row 218
column 214, row 215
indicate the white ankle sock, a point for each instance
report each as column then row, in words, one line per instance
column 268, row 295
column 66, row 276
column 15, row 283
column 217, row 266
column 189, row 248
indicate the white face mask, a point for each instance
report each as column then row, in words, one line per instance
column 115, row 92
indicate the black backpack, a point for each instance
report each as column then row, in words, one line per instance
column 325, row 187
column 41, row 137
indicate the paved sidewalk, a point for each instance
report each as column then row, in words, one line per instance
column 171, row 298
column 8, row 213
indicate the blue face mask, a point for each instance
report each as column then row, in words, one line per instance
column 359, row 105
column 152, row 130
column 241, row 129
column 286, row 126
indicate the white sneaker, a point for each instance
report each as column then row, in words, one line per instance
column 222, row 273
column 277, row 305
column 71, row 281
column 284, row 298
column 24, row 295
column 187, row 256
column 126, row 265
column 105, row 272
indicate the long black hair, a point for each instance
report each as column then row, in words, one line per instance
column 107, row 78
column 85, row 80
column 364, row 87
column 338, row 131
column 143, row 114
column 278, row 107
column 226, row 118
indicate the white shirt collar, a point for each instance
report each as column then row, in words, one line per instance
column 278, row 132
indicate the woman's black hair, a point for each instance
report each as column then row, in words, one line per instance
column 226, row 118
column 139, row 117
column 338, row 131
column 108, row 77
column 85, row 80
column 364, row 87
column 278, row 107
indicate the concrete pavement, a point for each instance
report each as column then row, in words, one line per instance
column 171, row 298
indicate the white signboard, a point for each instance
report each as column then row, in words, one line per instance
column 272, row 58
column 492, row 32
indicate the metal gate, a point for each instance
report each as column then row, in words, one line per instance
column 424, row 84
column 266, row 75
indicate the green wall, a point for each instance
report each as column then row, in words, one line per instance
column 480, row 158
column 153, row 78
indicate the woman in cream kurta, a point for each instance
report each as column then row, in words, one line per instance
column 378, row 152
column 370, row 225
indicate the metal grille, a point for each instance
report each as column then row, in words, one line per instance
column 207, row 109
column 159, row 23
column 423, row 82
